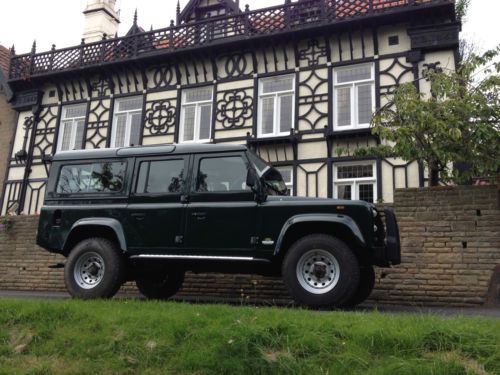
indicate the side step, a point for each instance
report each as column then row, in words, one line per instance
column 199, row 257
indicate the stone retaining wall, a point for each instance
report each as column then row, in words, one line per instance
column 450, row 238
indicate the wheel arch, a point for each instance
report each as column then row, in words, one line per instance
column 342, row 227
column 95, row 227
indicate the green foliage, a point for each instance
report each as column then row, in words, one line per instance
column 458, row 122
column 145, row 337
column 461, row 8
column 5, row 224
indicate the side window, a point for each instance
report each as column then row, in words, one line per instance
column 107, row 177
column 222, row 174
column 161, row 176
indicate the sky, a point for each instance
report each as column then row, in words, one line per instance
column 60, row 22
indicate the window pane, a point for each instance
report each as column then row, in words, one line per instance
column 188, row 126
column 91, row 178
column 66, row 135
column 344, row 192
column 364, row 104
column 198, row 95
column 277, row 84
column 286, row 113
column 132, row 104
column 74, row 179
column 165, row 176
column 356, row 73
column 267, row 115
column 75, row 111
column 205, row 123
column 354, row 171
column 80, row 127
column 222, row 174
column 344, row 106
column 287, row 174
column 107, row 177
column 121, row 123
column 366, row 192
column 135, row 128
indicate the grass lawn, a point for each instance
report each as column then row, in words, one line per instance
column 139, row 337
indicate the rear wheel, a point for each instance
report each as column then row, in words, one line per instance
column 320, row 271
column 161, row 286
column 94, row 269
column 365, row 287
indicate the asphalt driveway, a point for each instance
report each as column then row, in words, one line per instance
column 386, row 309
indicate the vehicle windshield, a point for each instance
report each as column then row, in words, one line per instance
column 273, row 181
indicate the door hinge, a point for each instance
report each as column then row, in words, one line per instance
column 179, row 240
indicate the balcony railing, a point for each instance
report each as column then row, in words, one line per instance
column 247, row 24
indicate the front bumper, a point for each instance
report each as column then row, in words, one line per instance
column 390, row 254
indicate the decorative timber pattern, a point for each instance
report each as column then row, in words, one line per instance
column 160, row 117
column 235, row 107
column 306, row 14
column 96, row 132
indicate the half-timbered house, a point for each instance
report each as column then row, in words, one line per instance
column 297, row 82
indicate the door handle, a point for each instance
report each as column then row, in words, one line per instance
column 138, row 216
column 199, row 215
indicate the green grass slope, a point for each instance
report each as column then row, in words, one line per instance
column 139, row 337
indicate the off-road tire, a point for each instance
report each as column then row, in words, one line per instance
column 365, row 287
column 160, row 287
column 102, row 253
column 335, row 258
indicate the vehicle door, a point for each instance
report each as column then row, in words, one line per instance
column 155, row 210
column 221, row 213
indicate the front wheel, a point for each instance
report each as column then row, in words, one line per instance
column 94, row 269
column 320, row 271
column 161, row 286
column 365, row 287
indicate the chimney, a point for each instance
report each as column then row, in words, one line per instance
column 101, row 19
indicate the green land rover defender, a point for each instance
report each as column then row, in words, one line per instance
column 151, row 213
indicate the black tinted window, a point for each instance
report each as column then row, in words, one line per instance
column 91, row 178
column 162, row 176
column 222, row 174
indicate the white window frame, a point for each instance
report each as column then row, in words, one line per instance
column 355, row 182
column 74, row 121
column 277, row 108
column 128, row 123
column 198, row 105
column 289, row 185
column 354, row 97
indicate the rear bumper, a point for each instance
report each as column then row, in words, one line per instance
column 390, row 254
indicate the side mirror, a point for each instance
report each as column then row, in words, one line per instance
column 254, row 182
column 252, row 179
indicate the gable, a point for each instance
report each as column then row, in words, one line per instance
column 196, row 10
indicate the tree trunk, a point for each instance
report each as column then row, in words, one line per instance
column 433, row 174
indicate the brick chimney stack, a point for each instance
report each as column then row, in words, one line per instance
column 101, row 19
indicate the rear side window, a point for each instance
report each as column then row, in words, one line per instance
column 105, row 177
column 161, row 176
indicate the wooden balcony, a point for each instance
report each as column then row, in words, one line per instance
column 294, row 16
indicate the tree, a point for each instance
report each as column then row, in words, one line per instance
column 459, row 122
